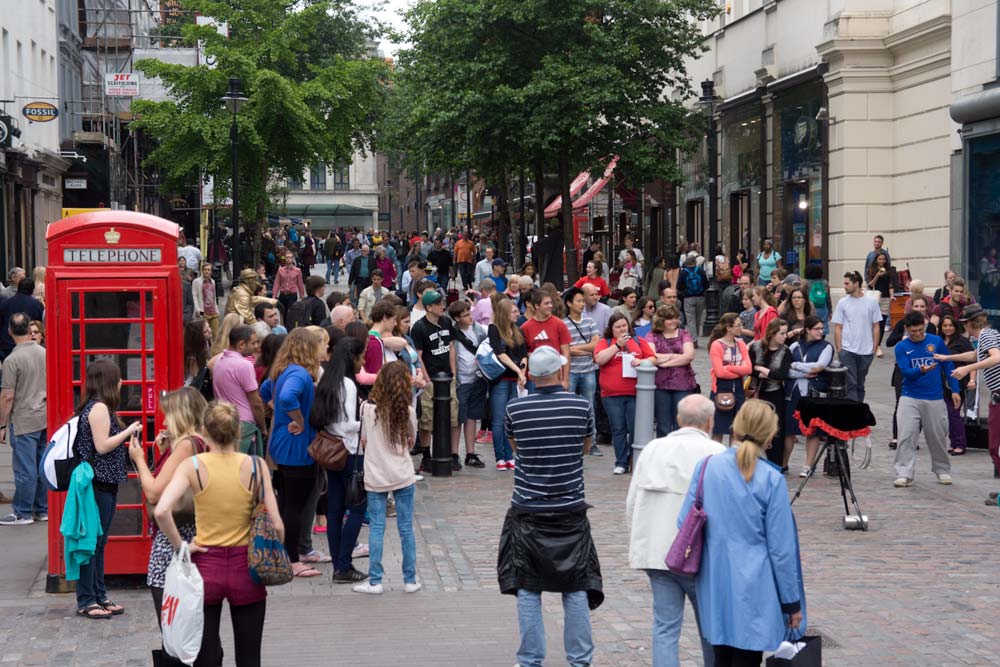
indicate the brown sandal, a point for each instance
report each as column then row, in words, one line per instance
column 89, row 612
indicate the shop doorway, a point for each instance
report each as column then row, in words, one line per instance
column 695, row 232
column 739, row 222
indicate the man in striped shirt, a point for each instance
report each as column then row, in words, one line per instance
column 546, row 543
column 987, row 359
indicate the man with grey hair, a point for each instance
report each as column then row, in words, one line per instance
column 14, row 277
column 341, row 316
column 659, row 486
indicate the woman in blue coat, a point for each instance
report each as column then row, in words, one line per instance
column 750, row 594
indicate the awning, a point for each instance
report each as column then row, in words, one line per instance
column 574, row 187
column 598, row 185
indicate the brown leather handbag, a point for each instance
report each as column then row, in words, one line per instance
column 328, row 451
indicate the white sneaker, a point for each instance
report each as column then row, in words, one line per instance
column 618, row 471
column 368, row 587
column 805, row 472
column 360, row 551
column 14, row 520
column 944, row 478
column 413, row 588
column 902, row 482
column 501, row 465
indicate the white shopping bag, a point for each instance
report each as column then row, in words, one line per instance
column 182, row 618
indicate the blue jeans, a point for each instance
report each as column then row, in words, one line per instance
column 332, row 266
column 665, row 408
column 857, row 371
column 669, row 590
column 577, row 639
column 342, row 536
column 823, row 314
column 501, row 393
column 376, row 533
column 584, row 385
column 30, row 494
column 90, row 588
column 621, row 417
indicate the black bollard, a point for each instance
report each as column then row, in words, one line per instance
column 441, row 435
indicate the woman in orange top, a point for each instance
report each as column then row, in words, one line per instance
column 764, row 302
column 730, row 364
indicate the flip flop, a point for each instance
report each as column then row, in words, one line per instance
column 307, row 572
column 87, row 612
column 957, row 452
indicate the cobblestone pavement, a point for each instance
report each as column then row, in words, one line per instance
column 918, row 589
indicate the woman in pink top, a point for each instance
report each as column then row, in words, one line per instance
column 288, row 284
column 730, row 364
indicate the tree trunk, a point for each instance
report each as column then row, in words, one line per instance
column 516, row 225
column 503, row 209
column 569, row 238
column 523, row 227
column 539, row 217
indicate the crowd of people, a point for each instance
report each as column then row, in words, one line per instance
column 283, row 360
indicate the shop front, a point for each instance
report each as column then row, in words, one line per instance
column 799, row 228
column 977, row 202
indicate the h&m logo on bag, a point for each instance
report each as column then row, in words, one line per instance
column 169, row 610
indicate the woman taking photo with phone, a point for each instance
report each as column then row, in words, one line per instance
column 101, row 441
column 226, row 486
column 183, row 410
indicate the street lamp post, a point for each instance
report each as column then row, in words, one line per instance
column 707, row 101
column 234, row 99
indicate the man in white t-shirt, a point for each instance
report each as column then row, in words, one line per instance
column 856, row 322
column 630, row 245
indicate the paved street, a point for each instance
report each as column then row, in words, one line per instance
column 918, row 589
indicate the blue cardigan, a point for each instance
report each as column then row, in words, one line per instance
column 294, row 390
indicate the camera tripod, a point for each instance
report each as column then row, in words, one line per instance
column 837, row 450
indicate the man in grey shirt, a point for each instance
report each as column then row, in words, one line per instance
column 584, row 334
column 14, row 276
column 22, row 422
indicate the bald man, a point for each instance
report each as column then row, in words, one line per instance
column 342, row 316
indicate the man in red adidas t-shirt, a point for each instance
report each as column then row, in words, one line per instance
column 543, row 329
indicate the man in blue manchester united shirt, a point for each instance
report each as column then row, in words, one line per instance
column 921, row 406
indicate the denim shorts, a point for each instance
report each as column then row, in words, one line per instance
column 471, row 400
column 227, row 576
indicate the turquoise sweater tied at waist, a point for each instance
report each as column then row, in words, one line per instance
column 81, row 522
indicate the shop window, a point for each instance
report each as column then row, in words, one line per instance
column 294, row 183
column 984, row 222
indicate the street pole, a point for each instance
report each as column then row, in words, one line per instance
column 237, row 242
column 645, row 388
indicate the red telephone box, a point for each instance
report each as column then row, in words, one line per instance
column 112, row 292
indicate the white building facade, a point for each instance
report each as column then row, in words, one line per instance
column 831, row 125
column 30, row 167
column 331, row 196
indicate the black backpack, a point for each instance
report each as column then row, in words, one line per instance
column 298, row 314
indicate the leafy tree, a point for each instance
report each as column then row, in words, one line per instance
column 313, row 97
column 501, row 83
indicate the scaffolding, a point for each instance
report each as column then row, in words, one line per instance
column 112, row 32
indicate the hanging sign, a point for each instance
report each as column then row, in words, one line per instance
column 40, row 112
column 121, row 85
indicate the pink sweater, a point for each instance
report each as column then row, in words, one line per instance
column 289, row 279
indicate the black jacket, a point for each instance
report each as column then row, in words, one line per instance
column 549, row 551
column 356, row 268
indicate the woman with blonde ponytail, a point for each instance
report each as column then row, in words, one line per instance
column 749, row 589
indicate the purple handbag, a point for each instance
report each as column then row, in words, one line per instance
column 684, row 556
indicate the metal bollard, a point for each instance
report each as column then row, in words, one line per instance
column 645, row 388
column 441, row 435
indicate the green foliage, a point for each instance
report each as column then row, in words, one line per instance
column 313, row 96
column 496, row 84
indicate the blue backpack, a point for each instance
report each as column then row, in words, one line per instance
column 694, row 284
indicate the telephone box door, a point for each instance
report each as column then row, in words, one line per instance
column 114, row 319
